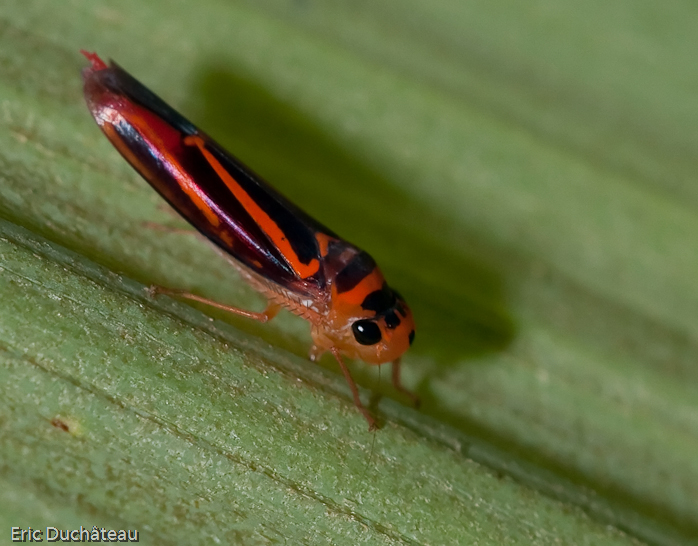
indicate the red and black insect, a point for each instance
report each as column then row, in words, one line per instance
column 286, row 255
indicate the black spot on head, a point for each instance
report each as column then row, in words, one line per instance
column 366, row 332
column 379, row 300
column 392, row 321
column 411, row 338
column 354, row 272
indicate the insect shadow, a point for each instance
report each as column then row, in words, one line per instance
column 458, row 301
column 458, row 298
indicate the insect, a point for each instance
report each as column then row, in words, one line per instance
column 290, row 258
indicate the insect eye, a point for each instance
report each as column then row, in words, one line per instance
column 366, row 332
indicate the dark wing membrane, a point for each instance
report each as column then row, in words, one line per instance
column 214, row 191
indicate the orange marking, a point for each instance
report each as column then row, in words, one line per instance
column 324, row 241
column 371, row 282
column 144, row 125
column 188, row 186
column 262, row 219
column 226, row 238
column 120, row 145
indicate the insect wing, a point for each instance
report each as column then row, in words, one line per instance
column 215, row 192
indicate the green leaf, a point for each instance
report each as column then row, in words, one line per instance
column 523, row 172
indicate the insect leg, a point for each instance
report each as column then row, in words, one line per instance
column 265, row 316
column 400, row 387
column 355, row 391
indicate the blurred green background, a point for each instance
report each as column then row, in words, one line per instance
column 525, row 175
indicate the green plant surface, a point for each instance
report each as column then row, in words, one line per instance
column 523, row 172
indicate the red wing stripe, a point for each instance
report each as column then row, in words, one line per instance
column 263, row 220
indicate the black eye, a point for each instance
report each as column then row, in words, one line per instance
column 366, row 332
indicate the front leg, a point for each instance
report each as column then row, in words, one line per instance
column 354, row 390
column 400, row 387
